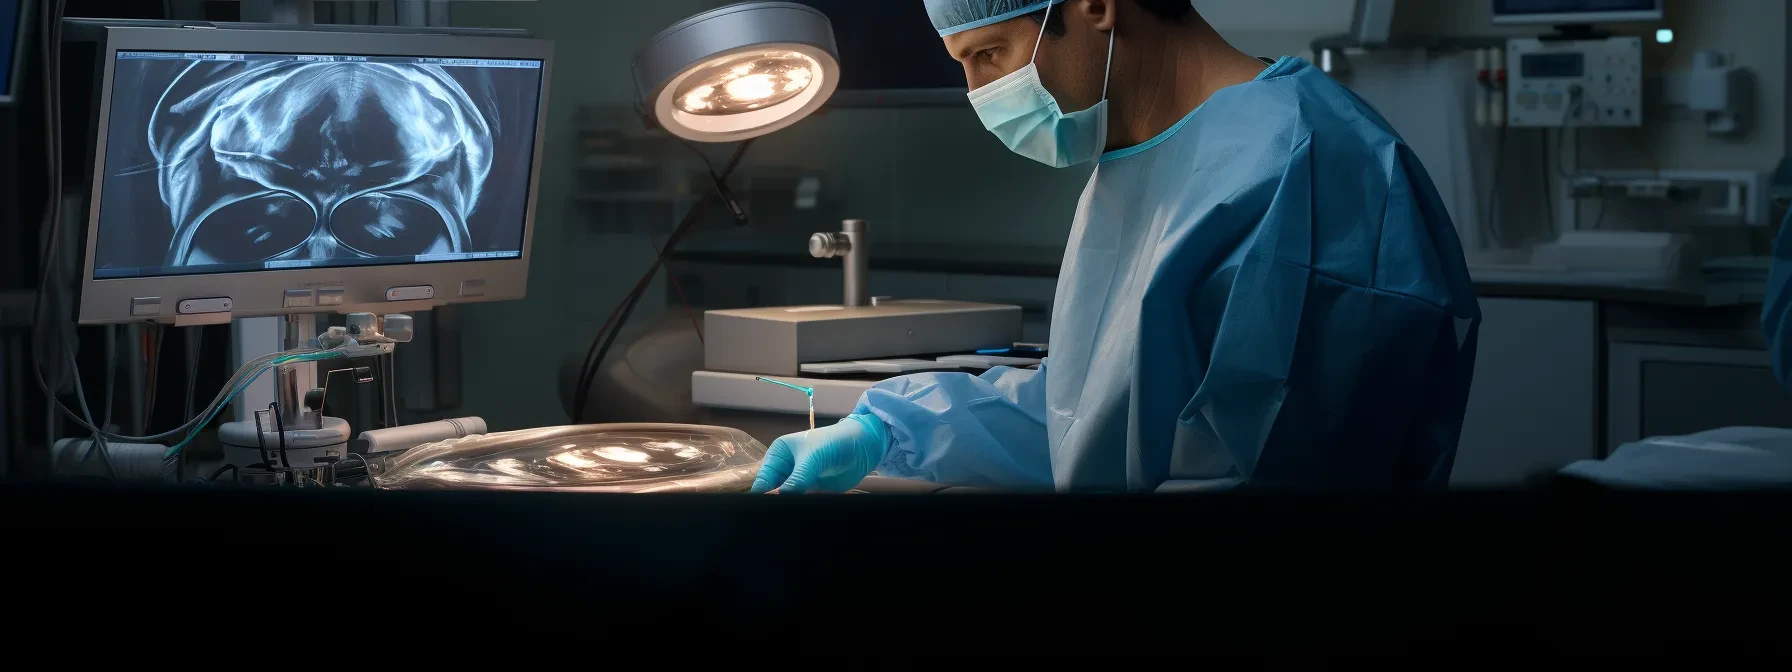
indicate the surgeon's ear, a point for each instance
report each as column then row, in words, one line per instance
column 1099, row 13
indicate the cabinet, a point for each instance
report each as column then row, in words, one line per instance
column 1534, row 405
column 1668, row 390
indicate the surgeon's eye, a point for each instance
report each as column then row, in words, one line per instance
column 988, row 55
column 386, row 225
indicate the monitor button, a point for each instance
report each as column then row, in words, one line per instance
column 219, row 304
column 472, row 288
column 329, row 296
column 298, row 298
column 414, row 293
column 146, row 306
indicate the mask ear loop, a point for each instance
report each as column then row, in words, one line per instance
column 1106, row 77
column 1041, row 41
column 1109, row 75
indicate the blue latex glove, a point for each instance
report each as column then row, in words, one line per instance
column 830, row 459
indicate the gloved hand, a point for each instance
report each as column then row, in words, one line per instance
column 830, row 459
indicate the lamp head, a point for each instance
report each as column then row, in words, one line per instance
column 738, row 72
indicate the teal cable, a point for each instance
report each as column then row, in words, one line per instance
column 307, row 357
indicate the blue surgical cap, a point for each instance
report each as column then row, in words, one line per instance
column 957, row 16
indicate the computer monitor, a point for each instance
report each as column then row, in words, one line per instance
column 1564, row 12
column 252, row 173
column 15, row 20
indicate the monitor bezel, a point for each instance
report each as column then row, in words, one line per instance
column 1575, row 18
column 262, row 293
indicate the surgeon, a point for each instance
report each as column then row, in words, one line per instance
column 1262, row 287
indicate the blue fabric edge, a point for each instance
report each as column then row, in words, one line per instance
column 1269, row 71
column 1029, row 9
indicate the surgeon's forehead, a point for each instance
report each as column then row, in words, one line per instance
column 1016, row 30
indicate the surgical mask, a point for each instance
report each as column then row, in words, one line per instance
column 1025, row 116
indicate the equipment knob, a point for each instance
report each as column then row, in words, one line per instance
column 360, row 325
column 829, row 245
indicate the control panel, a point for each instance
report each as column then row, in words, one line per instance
column 1571, row 83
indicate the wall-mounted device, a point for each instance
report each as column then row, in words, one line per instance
column 1567, row 12
column 1722, row 92
column 1575, row 83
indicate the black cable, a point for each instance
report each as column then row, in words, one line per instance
column 606, row 335
column 1549, row 192
column 195, row 346
column 111, row 376
column 52, row 67
column 280, row 428
column 220, row 472
column 261, row 442
column 389, row 363
column 346, row 472
column 44, row 346
column 154, row 374
column 1493, row 194
column 588, row 369
column 99, row 440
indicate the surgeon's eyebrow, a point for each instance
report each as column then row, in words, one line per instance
column 966, row 52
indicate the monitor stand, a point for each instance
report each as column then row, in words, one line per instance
column 288, row 439
column 291, row 436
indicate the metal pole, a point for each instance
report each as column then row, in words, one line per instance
column 413, row 13
column 438, row 13
column 299, row 378
column 301, row 12
column 857, row 287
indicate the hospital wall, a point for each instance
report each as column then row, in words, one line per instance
column 935, row 176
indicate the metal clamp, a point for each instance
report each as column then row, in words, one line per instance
column 370, row 328
column 315, row 398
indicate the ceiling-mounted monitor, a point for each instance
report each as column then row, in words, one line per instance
column 1569, row 12
column 261, row 172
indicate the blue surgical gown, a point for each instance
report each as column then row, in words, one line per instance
column 1269, row 293
column 1776, row 315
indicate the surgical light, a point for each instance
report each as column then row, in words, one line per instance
column 738, row 72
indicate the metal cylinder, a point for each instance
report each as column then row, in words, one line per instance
column 296, row 379
column 856, row 289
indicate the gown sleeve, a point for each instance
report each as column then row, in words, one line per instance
column 960, row 429
column 1337, row 351
column 1776, row 315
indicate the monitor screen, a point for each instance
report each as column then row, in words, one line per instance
column 1543, row 8
column 889, row 46
column 9, row 43
column 233, row 162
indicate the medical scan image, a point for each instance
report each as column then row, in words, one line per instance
column 243, row 162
